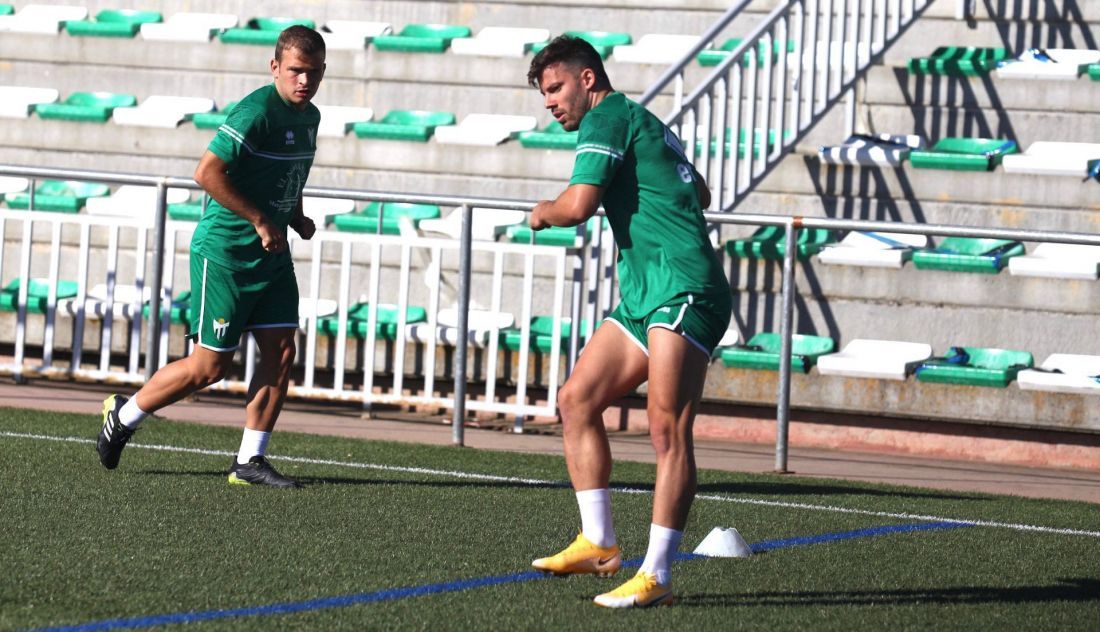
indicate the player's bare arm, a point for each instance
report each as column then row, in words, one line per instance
column 301, row 224
column 212, row 177
column 573, row 207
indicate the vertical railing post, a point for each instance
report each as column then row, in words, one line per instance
column 783, row 405
column 152, row 335
column 465, row 246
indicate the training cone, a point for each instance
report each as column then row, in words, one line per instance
column 722, row 542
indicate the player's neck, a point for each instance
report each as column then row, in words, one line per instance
column 594, row 98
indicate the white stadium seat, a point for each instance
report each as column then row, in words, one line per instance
column 308, row 308
column 481, row 325
column 9, row 184
column 321, row 209
column 42, row 19
column 17, row 102
column 352, row 34
column 127, row 303
column 162, row 111
column 1063, row 373
column 1061, row 261
column 135, row 201
column 870, row 249
column 876, row 359
column 879, row 150
column 1053, row 159
column 1048, row 63
column 189, row 27
column 484, row 129
column 487, row 223
column 656, row 48
column 336, row 120
column 500, row 41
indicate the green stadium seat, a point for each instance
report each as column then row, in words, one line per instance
column 565, row 237
column 37, row 294
column 113, row 23
column 762, row 352
column 6, row 9
column 603, row 41
column 965, row 254
column 975, row 366
column 366, row 221
column 213, row 120
column 553, row 136
column 261, row 31
column 542, row 328
column 958, row 61
column 422, row 38
column 358, row 315
column 715, row 56
column 186, row 211
column 963, row 154
column 180, row 312
column 62, row 196
column 411, row 125
column 768, row 243
column 95, row 107
column 742, row 142
column 1094, row 72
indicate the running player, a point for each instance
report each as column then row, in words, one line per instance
column 674, row 308
column 242, row 276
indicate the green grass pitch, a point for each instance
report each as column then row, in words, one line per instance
column 165, row 534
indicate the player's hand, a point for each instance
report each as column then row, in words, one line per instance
column 536, row 221
column 271, row 238
column 304, row 226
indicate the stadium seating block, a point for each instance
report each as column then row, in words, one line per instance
column 62, row 196
column 965, row 254
column 386, row 325
column 113, row 23
column 958, row 61
column 95, row 107
column 975, row 366
column 422, row 38
column 408, row 125
column 762, row 352
column 768, row 243
column 37, row 294
column 963, row 154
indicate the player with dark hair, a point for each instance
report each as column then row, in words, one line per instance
column 674, row 308
column 242, row 276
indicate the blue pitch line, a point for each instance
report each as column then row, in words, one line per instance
column 392, row 594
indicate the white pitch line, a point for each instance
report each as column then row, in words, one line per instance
column 534, row 482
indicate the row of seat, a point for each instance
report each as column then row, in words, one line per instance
column 1062, row 64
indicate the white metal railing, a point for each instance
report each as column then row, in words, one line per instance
column 799, row 61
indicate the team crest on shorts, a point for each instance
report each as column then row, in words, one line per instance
column 220, row 327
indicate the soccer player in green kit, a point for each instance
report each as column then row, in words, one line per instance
column 242, row 276
column 674, row 308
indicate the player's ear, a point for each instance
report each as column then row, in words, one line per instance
column 588, row 78
column 274, row 67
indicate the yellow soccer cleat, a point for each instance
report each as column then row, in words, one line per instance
column 582, row 557
column 642, row 591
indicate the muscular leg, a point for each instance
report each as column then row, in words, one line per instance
column 267, row 391
column 611, row 366
column 183, row 377
column 677, row 370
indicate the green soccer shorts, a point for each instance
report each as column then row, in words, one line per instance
column 702, row 320
column 227, row 302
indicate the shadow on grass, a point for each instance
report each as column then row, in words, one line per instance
column 310, row 481
column 809, row 489
column 1079, row 589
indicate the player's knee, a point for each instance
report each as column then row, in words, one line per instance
column 572, row 403
column 211, row 371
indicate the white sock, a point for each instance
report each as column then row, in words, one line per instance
column 130, row 415
column 663, row 544
column 253, row 443
column 595, row 505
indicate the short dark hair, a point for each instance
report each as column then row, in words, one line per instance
column 306, row 40
column 569, row 50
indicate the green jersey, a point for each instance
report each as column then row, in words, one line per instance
column 652, row 205
column 268, row 147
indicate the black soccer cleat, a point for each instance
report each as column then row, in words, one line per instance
column 258, row 472
column 113, row 436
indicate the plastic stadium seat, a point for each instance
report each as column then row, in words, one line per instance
column 42, row 18
column 189, row 27
column 975, row 366
column 352, row 34
column 603, row 41
column 768, row 243
column 500, row 41
column 186, row 211
column 565, row 237
column 742, row 141
column 9, row 184
column 19, row 102
column 321, row 209
column 553, row 136
column 422, row 38
column 213, row 120
column 308, row 308
column 963, row 154
column 358, row 319
column 64, row 196
column 958, row 61
column 139, row 202
column 487, row 224
column 366, row 221
column 162, row 111
column 1058, row 261
column 541, row 335
column 128, row 302
column 180, row 310
column 1053, row 159
column 480, row 327
column 1048, row 63
column 715, row 56
column 113, row 23
column 878, row 359
column 484, row 129
column 37, row 294
column 964, row 254
column 876, row 250
column 879, row 150
column 413, row 125
column 261, row 31
column 1063, row 373
column 336, row 120
column 762, row 352
column 95, row 107
column 656, row 48
column 1093, row 71
column 6, row 9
